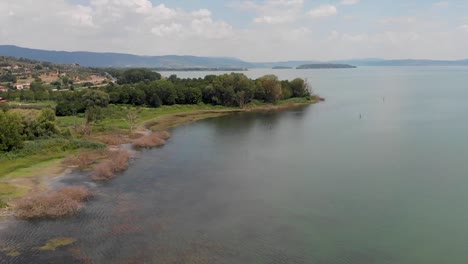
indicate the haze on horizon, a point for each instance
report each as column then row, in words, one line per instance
column 252, row 30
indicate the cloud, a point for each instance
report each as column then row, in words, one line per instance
column 349, row 2
column 273, row 12
column 441, row 4
column 323, row 11
column 259, row 30
column 273, row 19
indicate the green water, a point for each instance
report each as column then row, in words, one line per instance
column 376, row 174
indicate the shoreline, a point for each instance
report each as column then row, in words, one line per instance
column 38, row 177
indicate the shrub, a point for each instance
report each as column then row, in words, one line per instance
column 60, row 203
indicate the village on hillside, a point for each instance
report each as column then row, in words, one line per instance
column 19, row 74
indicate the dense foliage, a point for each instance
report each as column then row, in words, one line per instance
column 138, row 87
column 15, row 129
column 228, row 90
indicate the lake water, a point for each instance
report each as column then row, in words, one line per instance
column 376, row 174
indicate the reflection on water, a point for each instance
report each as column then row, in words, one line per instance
column 311, row 185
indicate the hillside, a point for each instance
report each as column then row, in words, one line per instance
column 120, row 60
column 21, row 73
column 95, row 59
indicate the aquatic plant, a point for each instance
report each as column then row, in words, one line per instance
column 55, row 243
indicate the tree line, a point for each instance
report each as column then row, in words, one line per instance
column 137, row 88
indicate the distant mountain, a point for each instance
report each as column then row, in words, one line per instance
column 325, row 66
column 408, row 62
column 95, row 59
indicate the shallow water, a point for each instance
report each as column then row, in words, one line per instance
column 311, row 185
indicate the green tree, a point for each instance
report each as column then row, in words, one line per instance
column 11, row 128
column 299, row 88
column 27, row 95
column 271, row 87
column 132, row 76
column 42, row 126
column 96, row 98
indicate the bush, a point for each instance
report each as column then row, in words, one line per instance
column 64, row 202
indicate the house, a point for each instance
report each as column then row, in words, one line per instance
column 3, row 88
column 21, row 86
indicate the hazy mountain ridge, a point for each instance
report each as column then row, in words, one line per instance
column 97, row 59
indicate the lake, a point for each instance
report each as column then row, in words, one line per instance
column 376, row 174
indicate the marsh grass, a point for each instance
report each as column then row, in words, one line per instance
column 56, row 204
column 155, row 139
column 117, row 162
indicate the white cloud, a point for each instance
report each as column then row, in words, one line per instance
column 273, row 12
column 163, row 30
column 323, row 11
column 273, row 19
column 349, row 2
column 278, row 30
column 441, row 4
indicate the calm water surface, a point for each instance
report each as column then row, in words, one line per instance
column 311, row 185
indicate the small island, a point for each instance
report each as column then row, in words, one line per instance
column 325, row 66
column 227, row 69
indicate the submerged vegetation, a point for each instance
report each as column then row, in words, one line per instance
column 55, row 243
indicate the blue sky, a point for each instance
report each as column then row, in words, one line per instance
column 254, row 30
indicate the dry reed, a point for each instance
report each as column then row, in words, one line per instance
column 155, row 139
column 60, row 203
column 118, row 162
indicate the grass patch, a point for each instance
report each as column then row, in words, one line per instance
column 7, row 190
column 33, row 105
column 37, row 154
column 56, row 204
column 85, row 159
column 3, row 204
column 55, row 243
column 25, row 166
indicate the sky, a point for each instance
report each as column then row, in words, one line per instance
column 252, row 30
